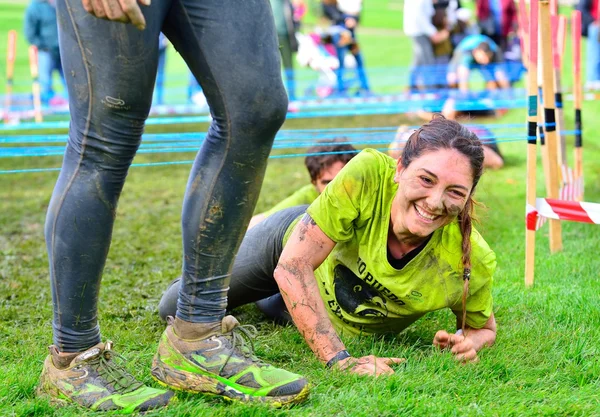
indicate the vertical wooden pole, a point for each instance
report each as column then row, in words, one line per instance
column 561, row 150
column 549, row 119
column 11, row 52
column 35, row 84
column 578, row 96
column 532, row 119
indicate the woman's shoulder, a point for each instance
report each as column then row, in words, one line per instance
column 482, row 256
column 372, row 159
column 372, row 169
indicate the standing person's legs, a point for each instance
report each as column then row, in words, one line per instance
column 423, row 59
column 360, row 68
column 111, row 69
column 45, row 68
column 285, row 48
column 231, row 48
column 339, row 72
column 341, row 38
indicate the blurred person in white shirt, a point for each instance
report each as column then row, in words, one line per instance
column 419, row 27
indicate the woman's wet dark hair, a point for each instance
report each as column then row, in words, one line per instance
column 441, row 133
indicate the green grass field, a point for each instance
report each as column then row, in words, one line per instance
column 545, row 361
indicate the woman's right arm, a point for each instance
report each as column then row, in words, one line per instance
column 306, row 249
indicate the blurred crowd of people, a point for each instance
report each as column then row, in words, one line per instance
column 448, row 43
column 333, row 50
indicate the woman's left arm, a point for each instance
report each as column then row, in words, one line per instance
column 465, row 347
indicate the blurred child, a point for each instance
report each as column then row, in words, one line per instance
column 345, row 15
column 477, row 52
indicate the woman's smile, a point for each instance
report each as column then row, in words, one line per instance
column 425, row 215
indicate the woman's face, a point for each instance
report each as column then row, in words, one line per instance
column 432, row 191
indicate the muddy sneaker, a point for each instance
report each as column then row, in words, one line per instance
column 218, row 359
column 96, row 379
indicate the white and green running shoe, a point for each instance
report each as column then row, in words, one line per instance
column 96, row 379
column 223, row 363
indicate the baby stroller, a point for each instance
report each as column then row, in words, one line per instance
column 318, row 55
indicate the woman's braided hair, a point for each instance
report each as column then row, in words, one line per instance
column 441, row 133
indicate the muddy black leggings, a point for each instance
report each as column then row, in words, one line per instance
column 110, row 68
column 252, row 277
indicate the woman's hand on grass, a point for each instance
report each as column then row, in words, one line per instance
column 461, row 347
column 125, row 11
column 368, row 365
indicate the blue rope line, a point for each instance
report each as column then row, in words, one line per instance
column 375, row 108
column 193, row 146
column 33, row 170
column 283, row 135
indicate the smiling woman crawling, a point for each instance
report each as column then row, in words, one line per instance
column 385, row 243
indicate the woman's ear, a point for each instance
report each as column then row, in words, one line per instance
column 399, row 170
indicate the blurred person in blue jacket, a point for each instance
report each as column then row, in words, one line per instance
column 41, row 30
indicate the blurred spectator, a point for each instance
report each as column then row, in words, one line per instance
column 442, row 51
column 477, row 52
column 497, row 19
column 41, row 30
column 345, row 16
column 283, row 12
column 463, row 26
column 589, row 28
column 450, row 7
column 323, row 162
column 160, row 69
column 418, row 26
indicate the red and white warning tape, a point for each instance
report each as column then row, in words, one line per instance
column 561, row 210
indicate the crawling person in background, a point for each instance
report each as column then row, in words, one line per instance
column 493, row 158
column 385, row 243
column 477, row 52
column 323, row 162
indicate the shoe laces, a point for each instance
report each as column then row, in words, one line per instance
column 110, row 366
column 242, row 339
